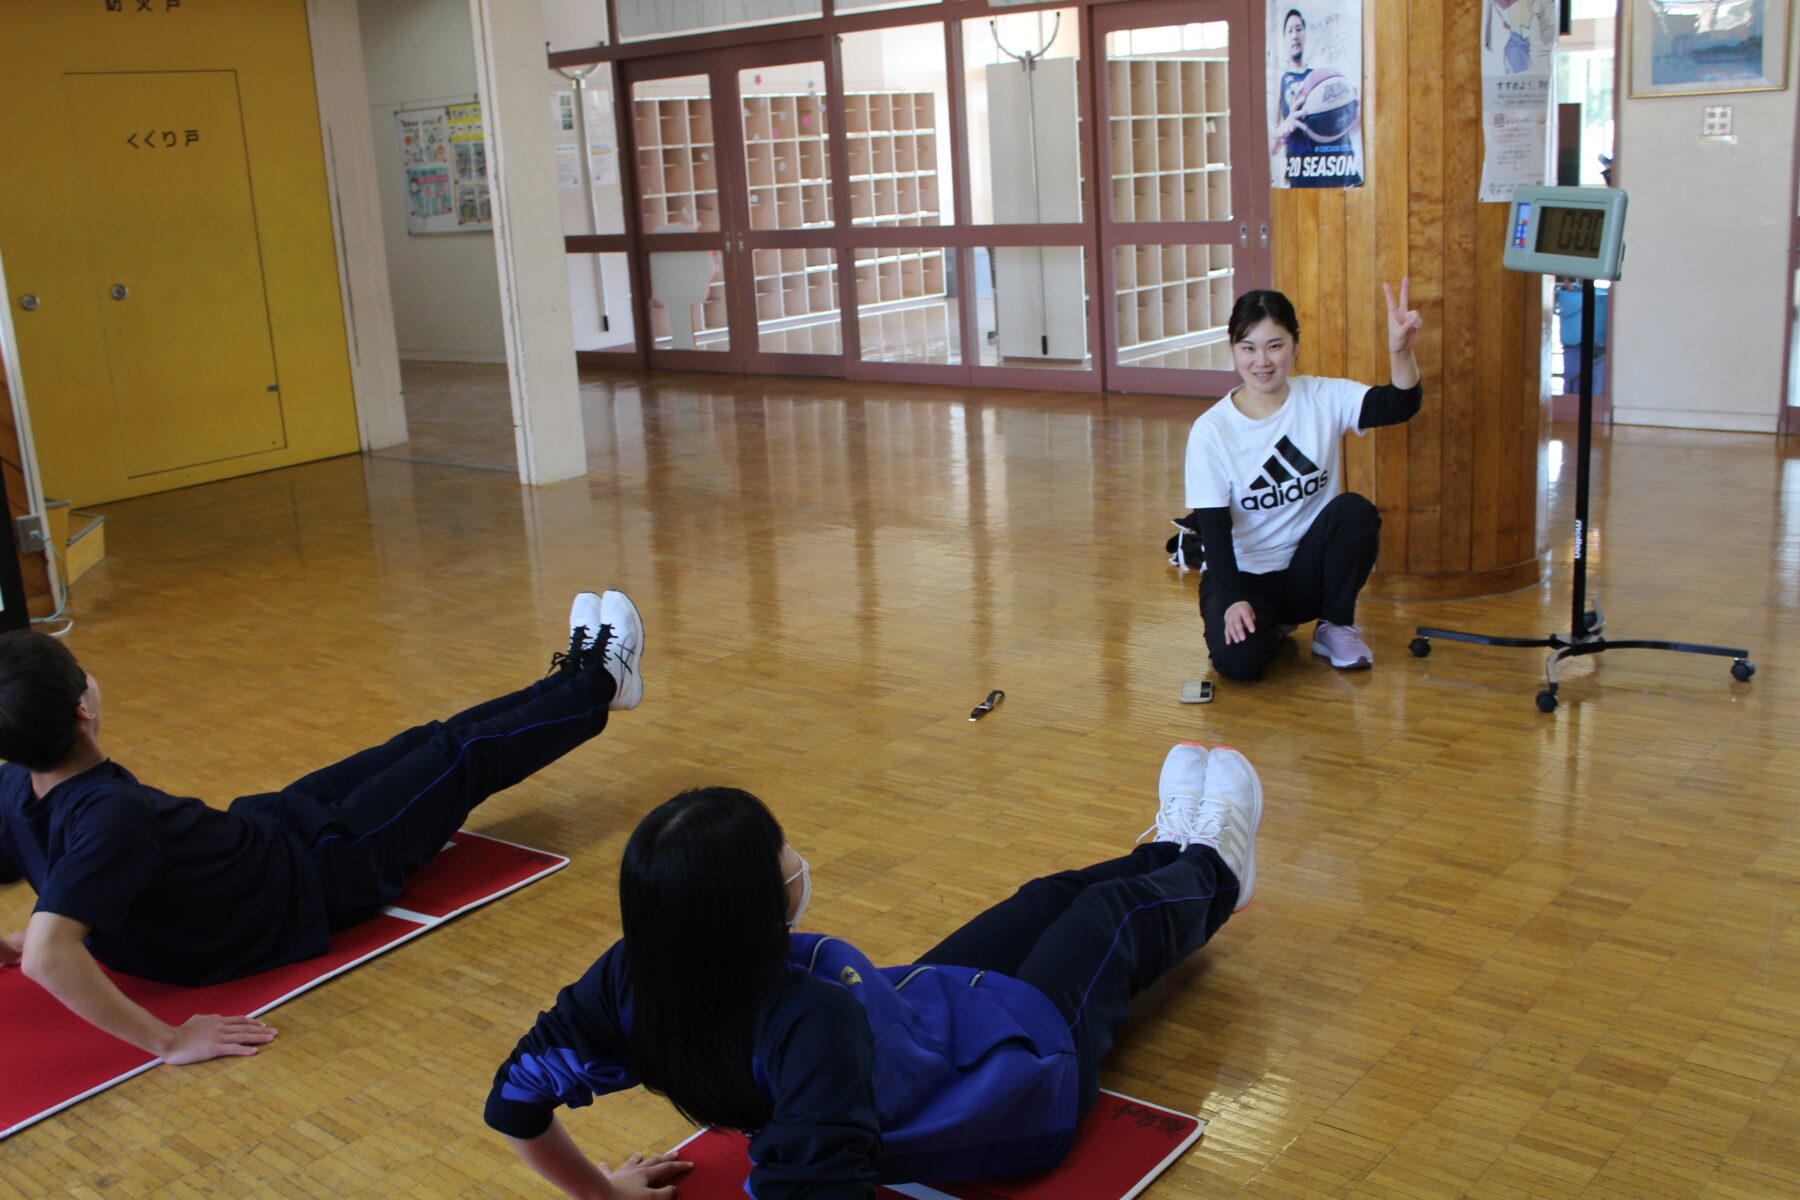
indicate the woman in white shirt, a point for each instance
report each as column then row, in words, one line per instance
column 1283, row 543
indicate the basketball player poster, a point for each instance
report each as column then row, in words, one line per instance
column 1315, row 93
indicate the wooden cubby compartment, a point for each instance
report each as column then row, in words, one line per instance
column 893, row 155
column 1168, row 121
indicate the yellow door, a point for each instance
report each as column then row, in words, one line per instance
column 175, row 260
column 174, row 151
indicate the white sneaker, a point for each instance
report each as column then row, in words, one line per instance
column 584, row 627
column 1180, row 789
column 1233, row 789
column 620, row 643
column 1214, row 800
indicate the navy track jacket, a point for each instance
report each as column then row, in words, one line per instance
column 876, row 1074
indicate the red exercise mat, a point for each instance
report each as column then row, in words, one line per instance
column 1121, row 1145
column 50, row 1058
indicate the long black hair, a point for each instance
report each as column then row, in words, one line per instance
column 1252, row 308
column 40, row 686
column 704, row 910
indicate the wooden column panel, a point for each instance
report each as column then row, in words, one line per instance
column 1460, row 487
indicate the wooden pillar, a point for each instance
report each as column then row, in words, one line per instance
column 1461, row 486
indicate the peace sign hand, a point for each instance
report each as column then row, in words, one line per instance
column 1403, row 323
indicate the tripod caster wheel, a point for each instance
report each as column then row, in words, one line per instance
column 1546, row 701
column 1592, row 621
column 1420, row 646
column 1742, row 669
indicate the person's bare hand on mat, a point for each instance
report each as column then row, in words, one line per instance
column 641, row 1176
column 203, row 1037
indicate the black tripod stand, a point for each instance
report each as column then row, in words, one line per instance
column 1585, row 625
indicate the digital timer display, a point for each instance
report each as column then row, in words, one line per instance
column 1572, row 231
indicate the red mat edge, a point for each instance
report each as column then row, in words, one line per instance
column 425, row 925
column 922, row 1191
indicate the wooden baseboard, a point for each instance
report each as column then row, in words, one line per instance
column 86, row 545
column 1458, row 585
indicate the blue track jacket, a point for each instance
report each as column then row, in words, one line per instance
column 876, row 1074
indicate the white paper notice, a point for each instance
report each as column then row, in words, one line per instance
column 568, row 165
column 1518, row 43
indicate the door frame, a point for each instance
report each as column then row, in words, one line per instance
column 1246, row 230
column 720, row 56
column 646, row 243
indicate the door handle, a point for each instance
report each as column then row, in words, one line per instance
column 28, row 302
column 1265, row 235
column 1244, row 234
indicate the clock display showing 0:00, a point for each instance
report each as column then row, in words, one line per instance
column 1572, row 231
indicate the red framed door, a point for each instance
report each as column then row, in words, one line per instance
column 684, row 226
column 1183, row 220
column 778, row 156
column 735, row 202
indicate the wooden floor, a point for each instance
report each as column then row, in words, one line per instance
column 1493, row 954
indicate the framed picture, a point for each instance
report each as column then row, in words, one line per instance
column 1696, row 47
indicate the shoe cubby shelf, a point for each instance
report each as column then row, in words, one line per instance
column 1169, row 132
column 677, row 163
column 893, row 181
column 887, row 279
column 1154, row 307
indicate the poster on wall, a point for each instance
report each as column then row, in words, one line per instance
column 1518, row 48
column 468, row 161
column 444, row 154
column 424, row 136
column 1315, row 93
column 427, row 195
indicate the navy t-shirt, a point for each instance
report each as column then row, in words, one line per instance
column 174, row 890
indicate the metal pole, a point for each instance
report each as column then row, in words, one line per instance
column 1585, row 444
column 589, row 204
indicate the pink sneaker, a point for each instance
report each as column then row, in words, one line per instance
column 1342, row 644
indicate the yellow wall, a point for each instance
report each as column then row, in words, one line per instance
column 86, row 384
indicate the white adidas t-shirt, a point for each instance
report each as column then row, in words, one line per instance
column 1275, row 475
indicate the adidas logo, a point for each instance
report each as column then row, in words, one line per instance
column 1284, row 479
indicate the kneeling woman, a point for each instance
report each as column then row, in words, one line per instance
column 1283, row 546
column 974, row 1062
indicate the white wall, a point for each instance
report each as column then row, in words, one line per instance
column 1699, row 319
column 446, row 293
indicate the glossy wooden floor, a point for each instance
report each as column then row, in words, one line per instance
column 1493, row 953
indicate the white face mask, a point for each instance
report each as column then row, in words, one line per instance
column 804, row 875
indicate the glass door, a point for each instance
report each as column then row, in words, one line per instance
column 683, row 229
column 736, row 207
column 1182, row 231
column 781, row 184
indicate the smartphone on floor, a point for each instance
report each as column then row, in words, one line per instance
column 1197, row 691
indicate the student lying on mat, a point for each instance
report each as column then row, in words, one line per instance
column 976, row 1062
column 173, row 890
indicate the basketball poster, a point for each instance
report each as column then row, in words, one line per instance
column 1315, row 93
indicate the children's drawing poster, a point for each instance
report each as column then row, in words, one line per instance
column 443, row 151
column 427, row 194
